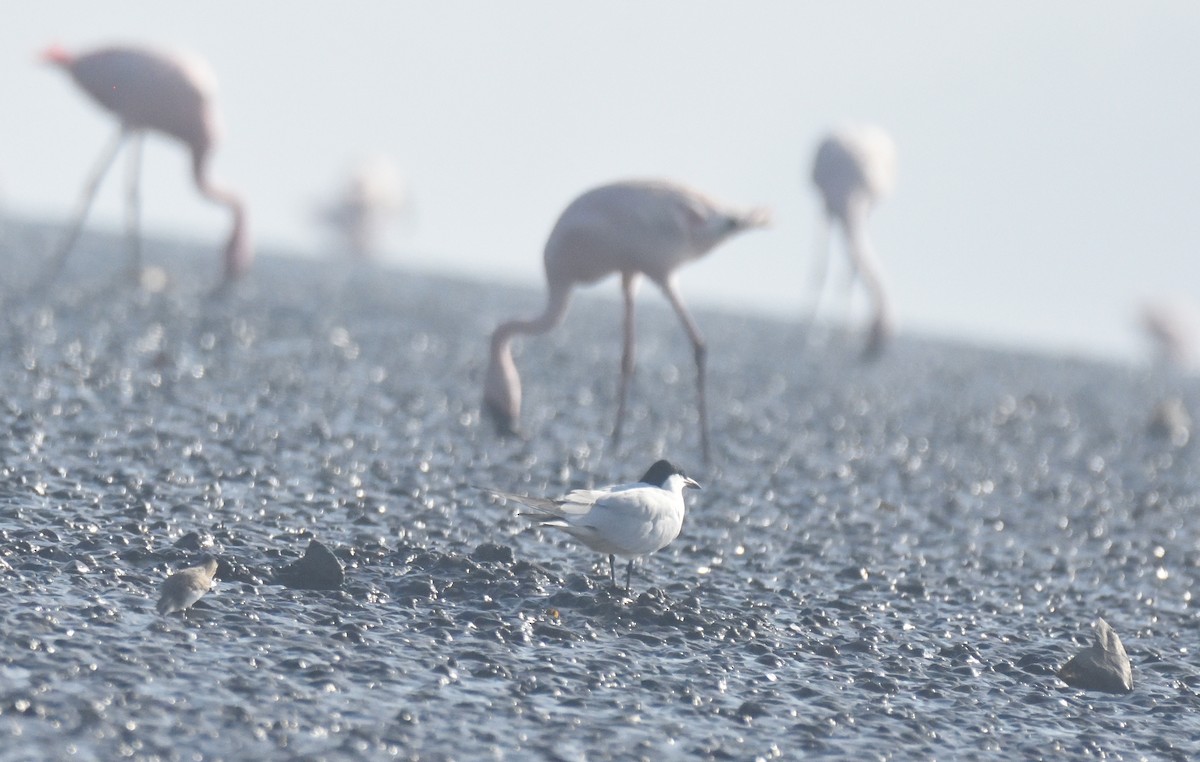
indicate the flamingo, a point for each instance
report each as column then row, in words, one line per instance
column 373, row 196
column 167, row 93
column 634, row 228
column 1172, row 324
column 855, row 167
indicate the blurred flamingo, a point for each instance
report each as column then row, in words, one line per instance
column 1171, row 323
column 373, row 196
column 854, row 168
column 167, row 93
column 633, row 228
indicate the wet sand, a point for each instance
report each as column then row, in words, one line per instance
column 886, row 561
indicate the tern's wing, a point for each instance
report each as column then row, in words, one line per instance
column 574, row 504
column 579, row 502
column 539, row 504
column 633, row 503
column 637, row 520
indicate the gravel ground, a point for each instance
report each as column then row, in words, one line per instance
column 887, row 561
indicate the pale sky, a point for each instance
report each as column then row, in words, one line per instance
column 1047, row 151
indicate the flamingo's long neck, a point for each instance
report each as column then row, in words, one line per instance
column 502, row 386
column 556, row 307
column 238, row 252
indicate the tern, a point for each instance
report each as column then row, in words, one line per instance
column 627, row 520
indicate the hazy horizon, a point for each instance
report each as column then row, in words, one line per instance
column 1046, row 153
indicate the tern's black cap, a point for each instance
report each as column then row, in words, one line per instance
column 660, row 472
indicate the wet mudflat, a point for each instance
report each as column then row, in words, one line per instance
column 886, row 561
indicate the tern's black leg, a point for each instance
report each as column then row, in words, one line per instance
column 612, row 569
column 628, row 574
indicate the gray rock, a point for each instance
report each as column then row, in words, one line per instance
column 318, row 569
column 1100, row 667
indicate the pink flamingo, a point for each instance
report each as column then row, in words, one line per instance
column 149, row 90
column 633, row 228
column 855, row 167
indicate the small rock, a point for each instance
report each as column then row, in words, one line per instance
column 750, row 710
column 492, row 553
column 854, row 574
column 319, row 569
column 193, row 541
column 75, row 566
column 1100, row 667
